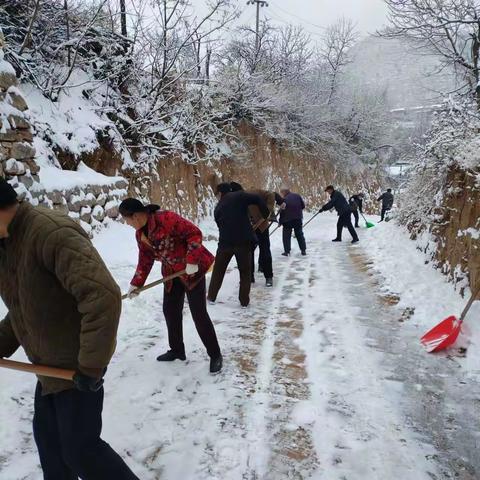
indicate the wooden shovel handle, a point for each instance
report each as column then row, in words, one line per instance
column 469, row 304
column 157, row 282
column 38, row 369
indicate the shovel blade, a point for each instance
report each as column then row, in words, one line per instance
column 443, row 335
column 369, row 225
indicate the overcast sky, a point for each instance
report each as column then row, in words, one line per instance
column 368, row 14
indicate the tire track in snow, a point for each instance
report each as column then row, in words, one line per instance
column 293, row 454
column 259, row 403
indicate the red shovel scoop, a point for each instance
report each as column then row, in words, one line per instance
column 446, row 333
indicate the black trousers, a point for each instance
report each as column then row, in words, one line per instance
column 173, row 302
column 384, row 211
column 345, row 220
column 297, row 226
column 67, row 427
column 357, row 217
column 243, row 255
column 265, row 254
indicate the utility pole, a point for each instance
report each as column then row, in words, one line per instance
column 123, row 18
column 259, row 3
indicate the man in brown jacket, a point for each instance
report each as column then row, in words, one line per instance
column 63, row 309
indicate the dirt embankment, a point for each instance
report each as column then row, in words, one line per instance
column 457, row 229
column 260, row 163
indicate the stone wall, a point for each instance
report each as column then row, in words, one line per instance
column 16, row 151
column 89, row 205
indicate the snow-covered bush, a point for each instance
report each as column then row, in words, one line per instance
column 452, row 141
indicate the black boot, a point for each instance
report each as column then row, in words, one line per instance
column 337, row 240
column 304, row 253
column 170, row 356
column 286, row 254
column 216, row 364
column 269, row 282
column 355, row 240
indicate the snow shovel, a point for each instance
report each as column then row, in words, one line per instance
column 367, row 223
column 446, row 333
column 318, row 213
column 157, row 282
column 38, row 369
column 274, row 230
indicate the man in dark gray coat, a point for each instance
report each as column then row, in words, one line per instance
column 339, row 202
column 387, row 202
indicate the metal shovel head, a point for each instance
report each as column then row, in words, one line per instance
column 443, row 335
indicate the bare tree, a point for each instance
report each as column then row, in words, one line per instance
column 337, row 41
column 28, row 36
column 448, row 28
column 67, row 26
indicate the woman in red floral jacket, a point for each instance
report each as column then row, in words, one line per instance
column 177, row 243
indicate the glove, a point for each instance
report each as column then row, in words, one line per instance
column 89, row 379
column 133, row 291
column 321, row 210
column 191, row 269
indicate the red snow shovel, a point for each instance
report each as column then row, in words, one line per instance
column 446, row 333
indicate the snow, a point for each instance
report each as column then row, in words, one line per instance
column 52, row 178
column 474, row 233
column 321, row 380
column 407, row 273
column 5, row 67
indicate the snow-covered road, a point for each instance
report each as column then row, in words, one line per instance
column 324, row 377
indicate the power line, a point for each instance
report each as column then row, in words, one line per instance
column 299, row 18
column 276, row 17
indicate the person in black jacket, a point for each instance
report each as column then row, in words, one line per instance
column 339, row 202
column 387, row 202
column 236, row 238
column 356, row 205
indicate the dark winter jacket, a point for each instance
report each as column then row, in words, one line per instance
column 294, row 208
column 270, row 199
column 387, row 200
column 356, row 203
column 337, row 201
column 174, row 241
column 233, row 219
column 63, row 304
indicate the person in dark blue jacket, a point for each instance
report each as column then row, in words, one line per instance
column 339, row 202
column 291, row 218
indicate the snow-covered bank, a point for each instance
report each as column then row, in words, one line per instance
column 321, row 381
column 407, row 273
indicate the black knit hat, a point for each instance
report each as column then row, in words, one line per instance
column 224, row 188
column 130, row 206
column 8, row 196
column 236, row 187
